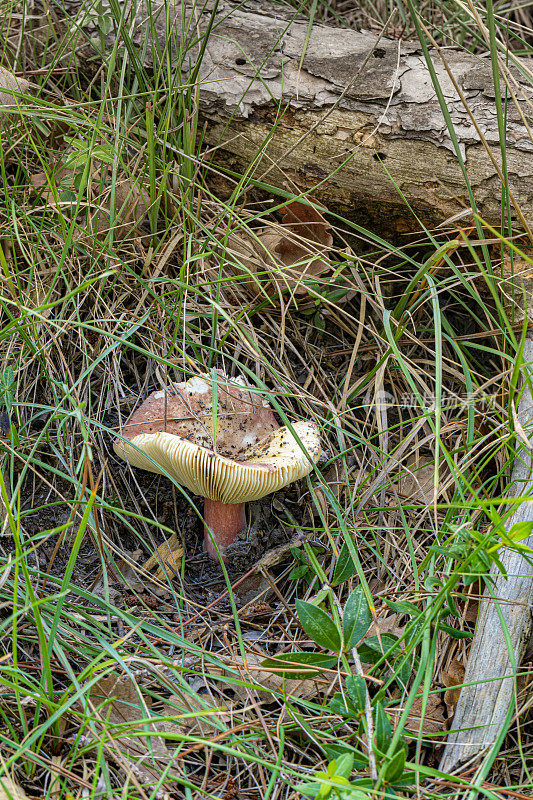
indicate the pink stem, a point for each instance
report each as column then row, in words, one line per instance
column 225, row 520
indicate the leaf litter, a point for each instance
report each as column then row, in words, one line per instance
column 280, row 256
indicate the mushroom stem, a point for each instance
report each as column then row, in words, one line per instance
column 225, row 520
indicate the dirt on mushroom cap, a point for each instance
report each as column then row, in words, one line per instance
column 187, row 410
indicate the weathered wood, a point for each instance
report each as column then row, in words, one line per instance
column 387, row 118
column 483, row 706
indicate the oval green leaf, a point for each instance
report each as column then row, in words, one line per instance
column 356, row 618
column 318, row 626
column 344, row 568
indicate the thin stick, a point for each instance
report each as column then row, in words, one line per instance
column 368, row 716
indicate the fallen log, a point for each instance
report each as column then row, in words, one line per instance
column 504, row 623
column 359, row 122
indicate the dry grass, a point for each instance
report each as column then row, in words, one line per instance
column 93, row 319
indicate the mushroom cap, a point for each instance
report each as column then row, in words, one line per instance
column 250, row 457
column 273, row 463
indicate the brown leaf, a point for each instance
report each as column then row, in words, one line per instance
column 302, row 245
column 278, row 255
column 243, row 257
column 452, row 678
column 131, row 201
column 306, row 223
column 416, row 483
column 13, row 84
column 146, row 755
column 471, row 611
column 167, row 558
column 125, row 704
column 194, row 715
column 388, row 623
column 470, row 606
column 254, row 589
column 433, row 721
column 278, row 554
column 269, row 681
column 131, row 207
column 190, row 712
column 60, row 177
column 9, row 790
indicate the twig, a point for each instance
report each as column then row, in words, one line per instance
column 368, row 717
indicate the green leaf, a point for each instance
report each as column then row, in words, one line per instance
column 403, row 607
column 7, row 387
column 344, row 765
column 356, row 687
column 390, row 794
column 370, row 650
column 407, row 780
column 344, row 568
column 286, row 664
column 342, row 705
column 336, row 295
column 298, row 572
column 454, row 633
column 356, row 618
column 105, row 24
column 394, row 769
column 414, row 630
column 383, row 729
column 334, row 751
column 403, row 673
column 301, row 720
column 520, row 530
column 450, row 602
column 308, row 789
column 8, row 379
column 318, row 626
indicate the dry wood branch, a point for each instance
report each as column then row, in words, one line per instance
column 506, row 610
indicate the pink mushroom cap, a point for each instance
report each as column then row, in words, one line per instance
column 221, row 440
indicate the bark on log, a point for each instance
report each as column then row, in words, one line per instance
column 388, row 120
column 483, row 705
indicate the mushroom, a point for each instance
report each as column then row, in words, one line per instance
column 222, row 442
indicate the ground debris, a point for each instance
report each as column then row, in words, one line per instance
column 452, row 678
column 280, row 255
column 9, row 790
column 433, row 721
